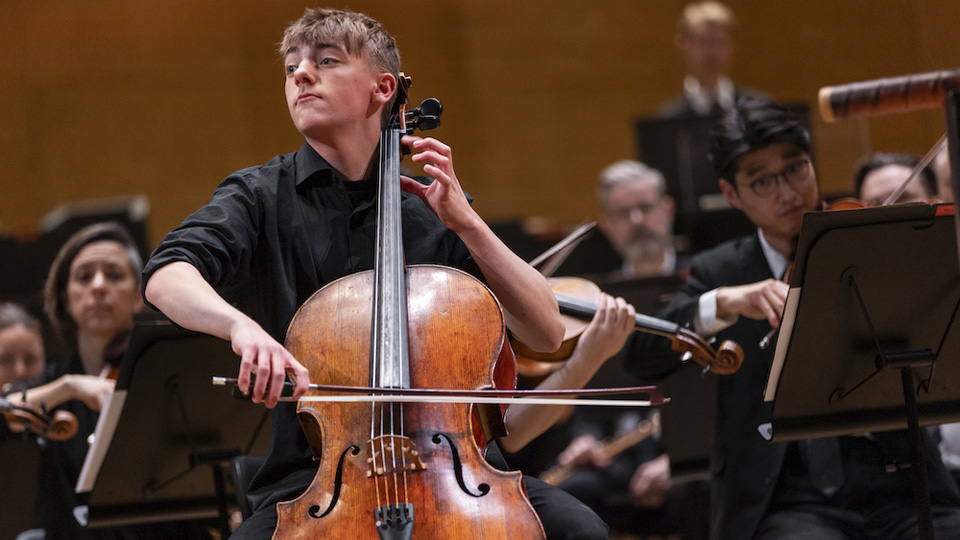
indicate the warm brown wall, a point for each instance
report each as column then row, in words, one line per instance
column 166, row 97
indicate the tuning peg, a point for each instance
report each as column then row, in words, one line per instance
column 426, row 116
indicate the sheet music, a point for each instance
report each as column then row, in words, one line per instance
column 103, row 434
column 783, row 341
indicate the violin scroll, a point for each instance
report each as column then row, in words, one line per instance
column 722, row 361
column 61, row 426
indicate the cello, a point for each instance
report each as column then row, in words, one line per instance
column 395, row 470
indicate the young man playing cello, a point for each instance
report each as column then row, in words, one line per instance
column 272, row 235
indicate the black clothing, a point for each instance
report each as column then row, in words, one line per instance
column 273, row 235
column 60, row 469
column 681, row 108
column 748, row 472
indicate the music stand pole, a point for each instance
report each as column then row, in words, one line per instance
column 921, row 484
column 952, row 107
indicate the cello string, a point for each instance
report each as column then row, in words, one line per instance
column 404, row 383
column 403, row 455
column 393, row 448
column 373, row 459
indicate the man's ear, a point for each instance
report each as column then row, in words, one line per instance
column 669, row 205
column 730, row 194
column 385, row 89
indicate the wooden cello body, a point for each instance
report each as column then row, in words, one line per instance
column 402, row 471
column 435, row 463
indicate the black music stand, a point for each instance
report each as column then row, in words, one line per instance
column 868, row 340
column 952, row 106
column 164, row 427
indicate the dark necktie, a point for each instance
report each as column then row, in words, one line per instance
column 716, row 111
column 824, row 464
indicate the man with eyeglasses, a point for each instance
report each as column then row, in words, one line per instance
column 636, row 217
column 835, row 488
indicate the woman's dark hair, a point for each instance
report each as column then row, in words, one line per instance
column 54, row 291
column 752, row 125
column 880, row 160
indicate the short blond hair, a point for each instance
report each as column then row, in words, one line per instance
column 710, row 12
column 357, row 33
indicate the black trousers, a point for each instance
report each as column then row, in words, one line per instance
column 891, row 521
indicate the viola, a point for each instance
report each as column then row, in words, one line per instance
column 578, row 299
column 25, row 418
column 403, row 470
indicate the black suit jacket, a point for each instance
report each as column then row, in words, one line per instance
column 744, row 466
column 680, row 107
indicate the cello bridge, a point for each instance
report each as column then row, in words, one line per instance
column 389, row 454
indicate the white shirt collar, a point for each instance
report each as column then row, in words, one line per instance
column 776, row 260
column 668, row 267
column 702, row 100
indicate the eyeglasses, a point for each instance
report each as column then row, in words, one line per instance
column 794, row 174
column 645, row 208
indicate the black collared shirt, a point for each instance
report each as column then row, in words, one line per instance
column 273, row 235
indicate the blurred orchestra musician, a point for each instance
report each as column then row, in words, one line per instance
column 22, row 354
column 22, row 358
column 632, row 491
column 636, row 217
column 91, row 296
column 705, row 42
column 882, row 174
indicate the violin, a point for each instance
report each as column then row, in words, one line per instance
column 390, row 469
column 25, row 418
column 578, row 299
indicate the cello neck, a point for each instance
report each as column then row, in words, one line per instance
column 389, row 361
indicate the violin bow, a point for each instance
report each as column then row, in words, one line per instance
column 927, row 158
column 566, row 246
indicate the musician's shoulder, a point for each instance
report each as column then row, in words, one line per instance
column 731, row 250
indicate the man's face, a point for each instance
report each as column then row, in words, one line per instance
column 328, row 88
column 637, row 219
column 779, row 214
column 880, row 183
column 707, row 50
